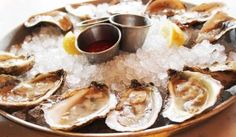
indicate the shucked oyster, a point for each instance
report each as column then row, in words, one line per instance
column 83, row 12
column 59, row 18
column 216, row 27
column 198, row 14
column 15, row 65
column 137, row 109
column 80, row 107
column 7, row 83
column 190, row 94
column 207, row 7
column 165, row 7
column 225, row 73
column 14, row 93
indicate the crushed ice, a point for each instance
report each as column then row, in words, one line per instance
column 149, row 64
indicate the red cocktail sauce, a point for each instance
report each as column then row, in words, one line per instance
column 99, row 46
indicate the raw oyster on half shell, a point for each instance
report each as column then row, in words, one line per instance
column 197, row 15
column 165, row 7
column 207, row 7
column 15, row 65
column 190, row 93
column 225, row 73
column 216, row 27
column 58, row 18
column 15, row 93
column 79, row 107
column 138, row 108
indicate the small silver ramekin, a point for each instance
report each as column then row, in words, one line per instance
column 87, row 23
column 134, row 29
column 99, row 32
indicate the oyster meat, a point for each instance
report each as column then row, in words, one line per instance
column 79, row 107
column 198, row 14
column 207, row 7
column 8, row 82
column 15, row 93
column 216, row 27
column 165, row 7
column 138, row 108
column 190, row 93
column 58, row 18
column 15, row 65
column 225, row 73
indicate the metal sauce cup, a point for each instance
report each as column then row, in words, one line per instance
column 95, row 33
column 87, row 23
column 134, row 29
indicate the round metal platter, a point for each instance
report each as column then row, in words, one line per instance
column 17, row 36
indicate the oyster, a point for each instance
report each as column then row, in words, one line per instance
column 7, row 83
column 187, row 19
column 191, row 93
column 216, row 27
column 83, row 12
column 138, row 108
column 230, row 65
column 15, row 65
column 58, row 18
column 207, row 7
column 198, row 14
column 79, row 107
column 86, row 11
column 165, row 7
column 14, row 93
column 225, row 73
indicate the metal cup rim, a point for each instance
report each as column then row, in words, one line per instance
column 129, row 26
column 100, row 52
column 96, row 21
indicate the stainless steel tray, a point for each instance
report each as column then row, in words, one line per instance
column 17, row 35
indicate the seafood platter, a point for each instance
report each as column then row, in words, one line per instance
column 119, row 68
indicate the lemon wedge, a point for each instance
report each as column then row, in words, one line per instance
column 173, row 34
column 69, row 44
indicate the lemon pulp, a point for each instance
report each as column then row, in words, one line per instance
column 173, row 34
column 69, row 44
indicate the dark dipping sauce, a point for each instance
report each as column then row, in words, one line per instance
column 99, row 46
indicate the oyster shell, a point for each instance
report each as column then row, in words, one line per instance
column 198, row 14
column 58, row 18
column 14, row 93
column 216, row 27
column 230, row 65
column 8, row 82
column 225, row 73
column 187, row 19
column 15, row 65
column 165, row 7
column 79, row 107
column 191, row 93
column 207, row 7
column 83, row 12
column 138, row 108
